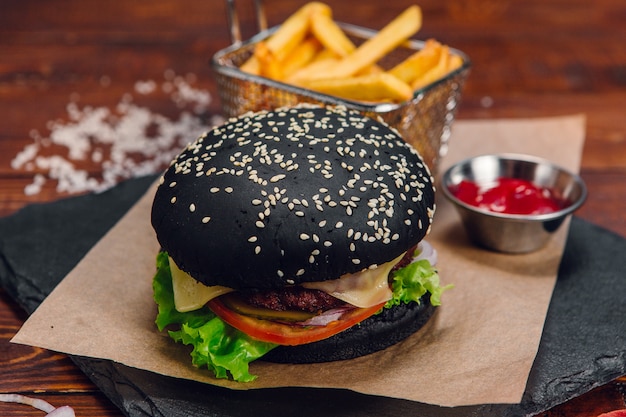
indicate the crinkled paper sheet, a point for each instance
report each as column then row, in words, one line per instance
column 478, row 349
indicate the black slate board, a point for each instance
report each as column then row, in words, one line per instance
column 583, row 345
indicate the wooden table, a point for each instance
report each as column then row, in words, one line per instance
column 531, row 58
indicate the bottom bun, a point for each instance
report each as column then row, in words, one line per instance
column 375, row 333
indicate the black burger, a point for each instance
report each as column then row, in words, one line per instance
column 295, row 235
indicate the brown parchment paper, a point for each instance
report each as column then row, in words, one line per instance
column 477, row 349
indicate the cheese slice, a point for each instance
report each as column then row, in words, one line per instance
column 190, row 294
column 362, row 289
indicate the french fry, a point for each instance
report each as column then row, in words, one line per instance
column 330, row 34
column 377, row 87
column 294, row 29
column 313, row 70
column 455, row 62
column 372, row 69
column 310, row 71
column 251, row 66
column 321, row 63
column 418, row 63
column 325, row 54
column 393, row 34
column 302, row 55
column 290, row 33
column 435, row 73
column 269, row 66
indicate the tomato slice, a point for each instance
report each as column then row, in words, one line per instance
column 288, row 334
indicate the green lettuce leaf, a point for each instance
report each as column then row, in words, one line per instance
column 413, row 281
column 227, row 351
column 216, row 345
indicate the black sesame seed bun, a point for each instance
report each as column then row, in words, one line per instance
column 289, row 196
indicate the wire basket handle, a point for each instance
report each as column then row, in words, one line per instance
column 233, row 19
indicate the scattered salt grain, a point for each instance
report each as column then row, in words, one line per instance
column 145, row 87
column 126, row 141
column 25, row 155
column 35, row 187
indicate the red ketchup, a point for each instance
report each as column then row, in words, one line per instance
column 508, row 195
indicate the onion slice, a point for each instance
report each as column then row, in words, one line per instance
column 326, row 317
column 64, row 411
column 426, row 251
column 39, row 404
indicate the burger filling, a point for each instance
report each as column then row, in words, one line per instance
column 294, row 298
column 228, row 329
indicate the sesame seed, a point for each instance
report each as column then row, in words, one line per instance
column 192, row 207
column 304, row 236
column 206, row 219
column 173, row 200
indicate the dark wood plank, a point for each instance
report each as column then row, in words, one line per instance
column 531, row 58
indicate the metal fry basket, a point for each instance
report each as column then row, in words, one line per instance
column 424, row 121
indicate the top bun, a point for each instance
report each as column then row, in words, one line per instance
column 293, row 195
